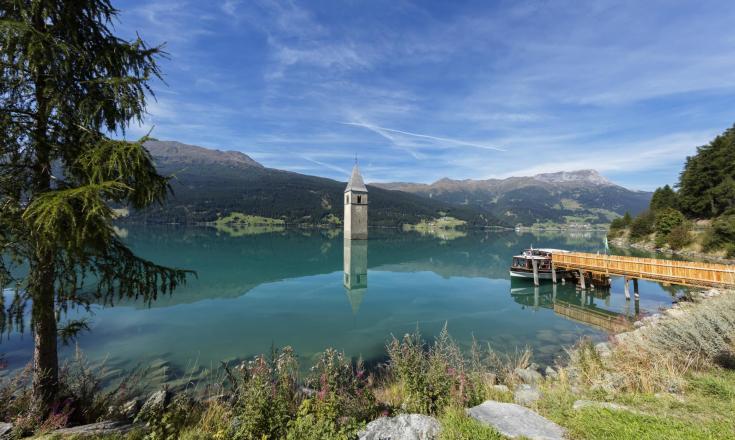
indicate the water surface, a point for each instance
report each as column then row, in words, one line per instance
column 310, row 290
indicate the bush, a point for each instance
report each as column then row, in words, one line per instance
column 621, row 222
column 434, row 377
column 342, row 400
column 666, row 220
column 679, row 237
column 721, row 234
column 642, row 226
column 266, row 391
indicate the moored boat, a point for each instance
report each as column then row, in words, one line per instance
column 522, row 265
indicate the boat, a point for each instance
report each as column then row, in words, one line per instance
column 522, row 265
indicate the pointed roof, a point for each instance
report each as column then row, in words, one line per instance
column 356, row 183
column 355, row 298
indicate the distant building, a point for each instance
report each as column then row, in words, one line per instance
column 356, row 207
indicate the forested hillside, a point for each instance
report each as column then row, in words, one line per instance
column 210, row 184
column 582, row 196
column 699, row 211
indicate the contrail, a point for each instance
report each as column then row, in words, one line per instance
column 424, row 136
column 326, row 165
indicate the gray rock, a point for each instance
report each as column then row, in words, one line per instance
column 528, row 375
column 550, row 372
column 155, row 405
column 501, row 388
column 603, row 349
column 526, row 394
column 515, row 421
column 104, row 428
column 130, row 409
column 402, row 427
column 5, row 429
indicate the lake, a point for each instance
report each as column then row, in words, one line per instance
column 306, row 288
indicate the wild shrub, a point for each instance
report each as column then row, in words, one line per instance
column 214, row 423
column 342, row 401
column 659, row 357
column 679, row 237
column 266, row 396
column 81, row 399
column 721, row 234
column 666, row 220
column 437, row 375
column 181, row 413
column 642, row 226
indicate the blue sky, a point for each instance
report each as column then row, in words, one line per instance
column 461, row 89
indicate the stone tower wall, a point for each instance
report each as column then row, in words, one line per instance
column 356, row 217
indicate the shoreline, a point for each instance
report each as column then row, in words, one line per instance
column 624, row 243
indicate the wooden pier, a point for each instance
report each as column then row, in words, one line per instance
column 685, row 273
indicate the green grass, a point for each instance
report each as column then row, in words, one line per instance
column 456, row 425
column 704, row 411
column 596, row 423
column 238, row 218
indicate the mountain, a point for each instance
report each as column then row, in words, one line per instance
column 582, row 196
column 210, row 184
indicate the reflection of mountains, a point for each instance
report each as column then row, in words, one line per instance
column 566, row 301
column 229, row 267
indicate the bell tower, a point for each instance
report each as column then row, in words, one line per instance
column 356, row 207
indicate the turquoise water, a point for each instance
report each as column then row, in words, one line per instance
column 254, row 292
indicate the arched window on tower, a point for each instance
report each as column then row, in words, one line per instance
column 347, row 199
column 359, row 199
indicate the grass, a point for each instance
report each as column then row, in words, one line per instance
column 456, row 425
column 446, row 228
column 237, row 224
column 672, row 379
column 238, row 218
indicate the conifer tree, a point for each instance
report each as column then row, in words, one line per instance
column 66, row 84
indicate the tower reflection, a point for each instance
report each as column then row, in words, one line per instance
column 355, row 271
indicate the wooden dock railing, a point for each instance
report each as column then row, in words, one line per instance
column 686, row 273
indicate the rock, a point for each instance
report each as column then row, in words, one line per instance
column 550, row 372
column 155, row 405
column 579, row 404
column 610, row 382
column 603, row 349
column 130, row 409
column 100, row 428
column 528, row 375
column 526, row 394
column 402, row 427
column 5, row 429
column 515, row 421
column 638, row 324
column 501, row 388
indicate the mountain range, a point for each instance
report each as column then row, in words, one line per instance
column 582, row 196
column 209, row 184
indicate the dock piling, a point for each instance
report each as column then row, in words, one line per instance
column 534, row 262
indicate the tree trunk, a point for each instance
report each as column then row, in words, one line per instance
column 45, row 357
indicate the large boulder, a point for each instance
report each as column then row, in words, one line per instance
column 403, row 427
column 515, row 421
